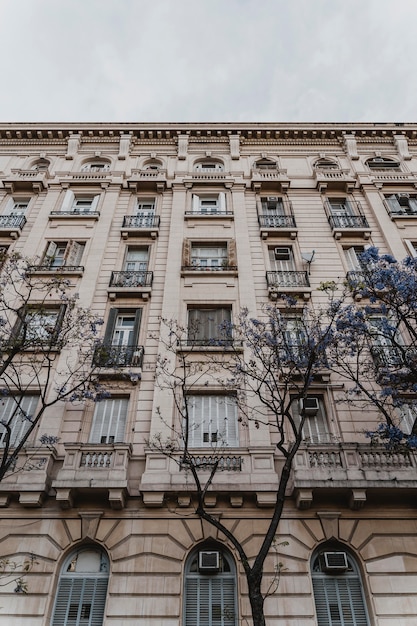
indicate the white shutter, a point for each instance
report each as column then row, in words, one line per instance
column 9, row 207
column 352, row 259
column 222, row 202
column 196, row 203
column 94, row 203
column 394, row 205
column 68, row 201
column 109, row 421
column 213, row 421
column 18, row 413
column 411, row 247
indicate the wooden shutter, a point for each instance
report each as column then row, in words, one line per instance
column 231, row 252
column 339, row 601
column 80, row 602
column 68, row 202
column 109, row 421
column 74, row 253
column 9, row 207
column 186, row 252
column 209, row 601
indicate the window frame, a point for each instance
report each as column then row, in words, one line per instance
column 110, row 427
column 209, row 331
column 22, row 404
column 30, row 343
column 318, row 425
column 205, row 426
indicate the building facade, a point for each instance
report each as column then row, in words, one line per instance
column 193, row 222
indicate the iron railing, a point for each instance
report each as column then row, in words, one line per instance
column 141, row 221
column 118, row 356
column 287, row 279
column 131, row 279
column 12, row 221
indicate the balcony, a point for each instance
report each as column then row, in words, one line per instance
column 289, row 282
column 279, row 225
column 26, row 180
column 11, row 225
column 140, row 225
column 334, row 179
column 212, row 343
column 269, row 179
column 59, row 270
column 91, row 468
column 196, row 268
column 114, row 356
column 154, row 180
column 348, row 220
column 209, row 215
column 126, row 283
column 351, row 470
column 74, row 214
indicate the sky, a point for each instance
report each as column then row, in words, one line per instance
column 214, row 61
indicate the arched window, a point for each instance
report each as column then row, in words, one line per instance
column 209, row 166
column 326, row 164
column 41, row 165
column 337, row 587
column 265, row 164
column 210, row 588
column 82, row 589
column 96, row 166
column 382, row 163
column 153, row 165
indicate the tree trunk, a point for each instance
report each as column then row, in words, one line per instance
column 256, row 601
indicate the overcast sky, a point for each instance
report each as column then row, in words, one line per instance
column 214, row 61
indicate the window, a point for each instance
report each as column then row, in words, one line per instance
column 17, row 412
column 209, row 204
column 294, row 337
column 212, row 421
column 210, row 593
column 79, row 204
column 209, row 326
column 265, row 164
column 382, row 163
column 37, row 328
column 353, row 258
column 153, row 165
column 272, row 206
column 120, row 340
column 206, row 256
column 282, row 259
column 209, row 166
column 386, row 340
column 41, row 165
column 109, row 421
column 401, row 203
column 96, row 166
column 17, row 206
column 145, row 206
column 315, row 429
column 63, row 253
column 326, row 164
column 408, row 418
column 337, row 587
column 82, row 589
column 136, row 260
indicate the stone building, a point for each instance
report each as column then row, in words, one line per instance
column 191, row 221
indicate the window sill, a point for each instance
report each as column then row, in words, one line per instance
column 64, row 270
column 73, row 215
column 225, row 215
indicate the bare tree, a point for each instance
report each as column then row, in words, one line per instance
column 47, row 344
column 266, row 367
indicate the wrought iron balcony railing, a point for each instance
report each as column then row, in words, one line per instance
column 276, row 221
column 225, row 463
column 348, row 221
column 210, row 213
column 12, row 221
column 196, row 267
column 131, row 279
column 59, row 269
column 287, row 279
column 141, row 221
column 75, row 213
column 220, row 342
column 119, row 356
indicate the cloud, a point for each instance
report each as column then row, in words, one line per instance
column 227, row 60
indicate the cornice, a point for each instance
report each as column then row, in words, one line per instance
column 168, row 132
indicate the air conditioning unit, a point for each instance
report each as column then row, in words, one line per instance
column 209, row 561
column 309, row 406
column 334, row 561
column 282, row 254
